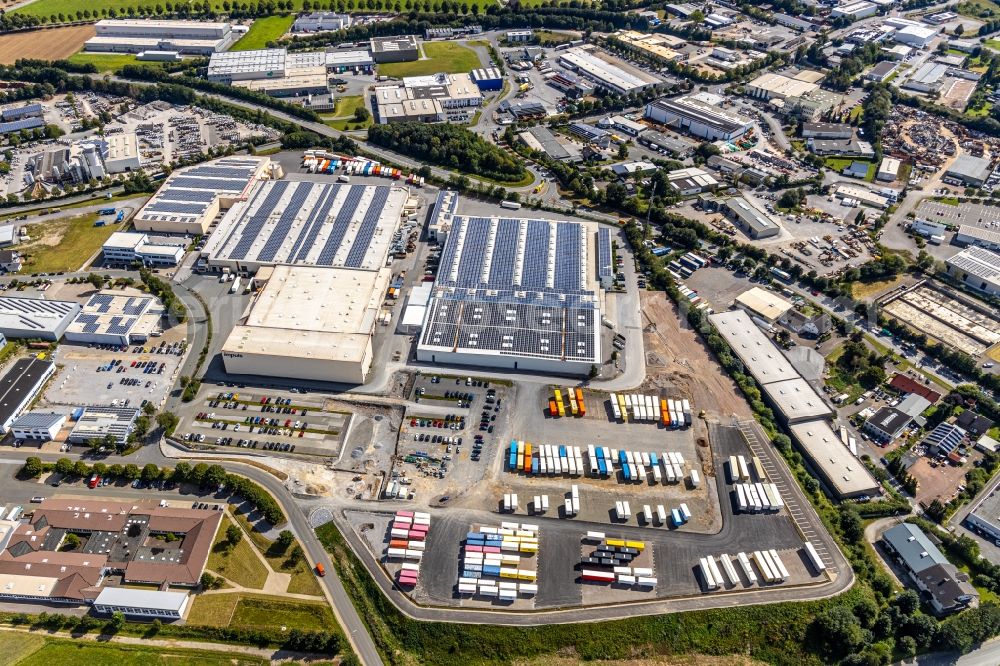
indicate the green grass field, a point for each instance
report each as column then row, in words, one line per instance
column 342, row 117
column 263, row 31
column 447, row 57
column 258, row 611
column 110, row 62
column 63, row 245
column 978, row 9
column 838, row 164
column 30, row 652
column 238, row 564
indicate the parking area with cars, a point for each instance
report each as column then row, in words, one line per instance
column 118, row 376
column 264, row 421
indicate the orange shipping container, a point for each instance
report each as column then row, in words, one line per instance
column 399, row 543
column 580, row 404
column 553, row 411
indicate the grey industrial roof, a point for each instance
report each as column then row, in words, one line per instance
column 37, row 420
column 691, row 107
column 101, row 421
column 890, row 420
column 844, row 473
column 977, row 261
column 914, row 547
column 396, row 43
column 750, row 214
column 146, row 599
column 35, row 315
column 797, row 400
column 22, row 111
column 22, row 124
column 20, row 382
column 968, row 166
column 764, row 360
column 550, row 144
column 945, row 437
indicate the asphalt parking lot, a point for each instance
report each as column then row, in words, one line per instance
column 86, row 379
column 266, row 421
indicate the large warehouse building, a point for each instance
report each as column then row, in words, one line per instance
column 515, row 293
column 185, row 37
column 36, row 318
column 700, row 114
column 606, row 72
column 190, row 199
column 20, row 385
column 978, row 268
column 798, row 404
column 310, row 322
column 308, row 223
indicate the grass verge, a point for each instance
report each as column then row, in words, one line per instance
column 59, row 651
column 292, row 561
column 237, row 563
column 239, row 610
column 447, row 57
column 105, row 62
column 63, row 245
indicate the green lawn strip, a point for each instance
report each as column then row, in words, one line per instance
column 236, row 563
column 59, row 651
column 212, row 610
column 262, row 611
column 292, row 561
column 105, row 62
column 447, row 57
column 18, row 646
column 80, row 241
column 772, row 633
column 262, row 31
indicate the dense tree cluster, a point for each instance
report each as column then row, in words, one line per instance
column 450, row 146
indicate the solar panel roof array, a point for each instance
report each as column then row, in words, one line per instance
column 309, row 223
column 514, row 287
column 605, row 269
column 112, row 314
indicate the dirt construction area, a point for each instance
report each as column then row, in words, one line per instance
column 677, row 359
column 50, row 44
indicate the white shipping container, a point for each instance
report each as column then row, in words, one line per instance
column 778, row 563
column 646, row 581
column 647, row 514
column 716, row 574
column 545, row 502
column 734, row 470
column 727, row 566
column 595, row 536
column 814, row 557
column 642, row 571
column 657, row 474
column 620, row 510
column 628, row 510
column 568, row 506
column 744, row 470
column 685, row 512
column 741, row 498
column 764, row 566
column 418, row 545
column 527, row 588
column 670, row 472
column 706, row 573
column 747, row 569
column 576, row 504
column 695, row 478
column 778, row 502
column 513, row 501
column 661, row 514
column 466, row 588
column 623, row 570
column 396, row 552
column 678, row 472
column 626, row 580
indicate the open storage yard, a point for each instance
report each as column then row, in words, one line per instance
column 64, row 245
column 49, row 44
column 946, row 317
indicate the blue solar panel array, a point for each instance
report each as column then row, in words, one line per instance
column 567, row 277
column 536, row 255
column 280, row 232
column 177, row 207
column 364, row 236
column 256, row 222
column 221, row 172
column 134, row 306
column 21, row 112
column 102, row 302
column 170, row 194
column 18, row 125
column 217, row 184
column 120, row 325
column 317, row 218
column 470, row 267
column 502, row 263
column 339, row 228
column 604, row 264
column 450, row 249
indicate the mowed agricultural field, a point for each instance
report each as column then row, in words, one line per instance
column 104, row 62
column 263, row 31
column 54, row 651
column 48, row 44
column 447, row 57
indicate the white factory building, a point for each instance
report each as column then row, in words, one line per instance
column 606, row 71
column 978, row 268
column 798, row 404
column 518, row 294
column 701, row 115
column 310, row 322
column 92, row 158
column 35, row 318
column 911, row 33
column 116, row 318
column 191, row 198
column 37, row 426
column 281, row 73
column 452, row 97
column 321, row 22
column 137, row 35
column 126, row 247
column 854, row 10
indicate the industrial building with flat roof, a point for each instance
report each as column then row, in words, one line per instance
column 142, row 603
column 35, row 318
column 310, row 322
column 843, row 473
column 542, row 139
column 691, row 180
column 978, row 268
column 700, row 114
column 402, row 48
column 772, row 85
column 126, row 247
column 752, row 346
column 321, row 22
column 763, row 304
column 137, row 35
column 515, row 293
column 37, row 426
column 308, row 223
column 751, row 220
column 969, row 170
column 20, row 385
column 191, row 198
column 101, row 422
column 968, row 234
column 655, row 47
column 116, row 318
column 431, row 98
column 606, row 72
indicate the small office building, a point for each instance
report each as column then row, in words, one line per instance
column 37, row 426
